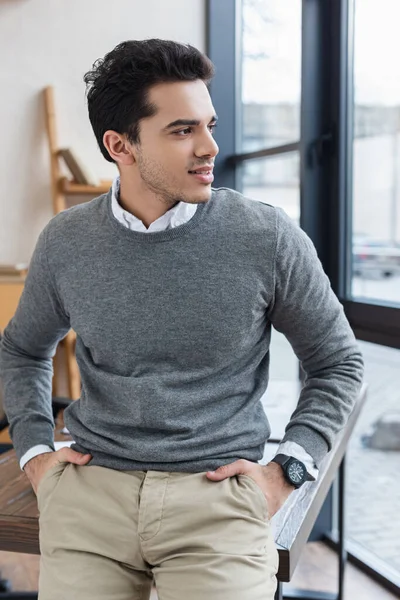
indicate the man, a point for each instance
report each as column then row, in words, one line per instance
column 172, row 287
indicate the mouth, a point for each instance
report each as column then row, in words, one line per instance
column 203, row 174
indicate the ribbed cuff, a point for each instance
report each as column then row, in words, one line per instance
column 25, row 435
column 312, row 441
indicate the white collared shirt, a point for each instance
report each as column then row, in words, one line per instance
column 177, row 215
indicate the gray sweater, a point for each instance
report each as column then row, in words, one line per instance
column 173, row 333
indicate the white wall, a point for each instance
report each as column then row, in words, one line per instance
column 55, row 42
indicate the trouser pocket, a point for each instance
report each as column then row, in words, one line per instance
column 256, row 495
column 48, row 484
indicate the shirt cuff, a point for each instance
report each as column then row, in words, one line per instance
column 32, row 452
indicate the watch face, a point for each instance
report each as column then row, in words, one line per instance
column 296, row 471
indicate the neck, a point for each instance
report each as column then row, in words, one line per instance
column 143, row 203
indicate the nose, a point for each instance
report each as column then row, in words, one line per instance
column 207, row 146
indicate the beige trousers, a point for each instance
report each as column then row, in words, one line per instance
column 104, row 535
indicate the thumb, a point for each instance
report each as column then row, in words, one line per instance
column 226, row 471
column 69, row 455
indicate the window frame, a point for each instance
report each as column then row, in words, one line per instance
column 326, row 153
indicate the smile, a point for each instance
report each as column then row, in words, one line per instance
column 203, row 176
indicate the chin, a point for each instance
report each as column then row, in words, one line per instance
column 201, row 197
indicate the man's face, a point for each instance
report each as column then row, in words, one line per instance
column 177, row 140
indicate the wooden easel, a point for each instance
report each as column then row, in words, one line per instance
column 61, row 188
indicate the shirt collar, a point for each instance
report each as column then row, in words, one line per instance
column 177, row 215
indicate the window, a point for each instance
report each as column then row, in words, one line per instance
column 271, row 73
column 270, row 118
column 342, row 146
column 376, row 152
column 373, row 462
column 270, row 101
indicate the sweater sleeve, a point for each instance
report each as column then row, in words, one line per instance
column 306, row 310
column 26, row 350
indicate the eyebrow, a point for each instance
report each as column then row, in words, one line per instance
column 187, row 122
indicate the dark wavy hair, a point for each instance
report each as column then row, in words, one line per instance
column 117, row 86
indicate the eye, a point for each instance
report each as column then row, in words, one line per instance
column 187, row 130
column 184, row 131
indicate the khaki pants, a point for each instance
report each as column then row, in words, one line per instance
column 104, row 535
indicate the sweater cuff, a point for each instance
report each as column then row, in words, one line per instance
column 312, row 441
column 25, row 434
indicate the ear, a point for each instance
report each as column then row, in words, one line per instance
column 119, row 148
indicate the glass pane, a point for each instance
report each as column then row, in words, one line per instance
column 372, row 471
column 274, row 180
column 284, row 365
column 270, row 116
column 376, row 152
column 271, row 73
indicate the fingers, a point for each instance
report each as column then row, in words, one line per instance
column 69, row 455
column 239, row 466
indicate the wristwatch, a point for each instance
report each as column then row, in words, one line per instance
column 294, row 470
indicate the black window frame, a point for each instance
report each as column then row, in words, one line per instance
column 326, row 148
